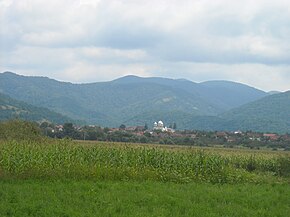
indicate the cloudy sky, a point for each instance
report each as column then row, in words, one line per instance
column 99, row 40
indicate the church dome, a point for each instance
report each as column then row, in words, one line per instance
column 160, row 123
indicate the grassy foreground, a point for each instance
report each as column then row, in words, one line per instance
column 88, row 198
column 65, row 178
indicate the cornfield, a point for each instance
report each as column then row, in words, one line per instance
column 67, row 159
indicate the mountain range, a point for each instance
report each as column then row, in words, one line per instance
column 132, row 100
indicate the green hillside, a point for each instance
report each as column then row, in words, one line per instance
column 130, row 99
column 271, row 114
column 229, row 95
column 223, row 95
column 10, row 109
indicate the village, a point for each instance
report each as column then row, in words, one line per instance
column 158, row 133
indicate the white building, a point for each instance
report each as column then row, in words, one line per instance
column 160, row 126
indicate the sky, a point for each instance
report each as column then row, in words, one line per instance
column 83, row 41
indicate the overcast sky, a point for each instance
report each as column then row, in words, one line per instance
column 99, row 40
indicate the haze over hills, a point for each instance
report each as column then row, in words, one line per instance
column 132, row 100
column 11, row 108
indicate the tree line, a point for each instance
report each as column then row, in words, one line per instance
column 24, row 130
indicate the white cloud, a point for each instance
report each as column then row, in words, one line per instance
column 109, row 53
column 82, row 40
column 82, row 72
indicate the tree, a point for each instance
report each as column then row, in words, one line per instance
column 122, row 127
column 68, row 128
column 106, row 129
column 91, row 134
column 174, row 126
column 147, row 134
column 70, row 131
column 146, row 126
column 44, row 125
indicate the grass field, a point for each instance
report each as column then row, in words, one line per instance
column 66, row 178
column 98, row 198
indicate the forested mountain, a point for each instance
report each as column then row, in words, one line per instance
column 213, row 105
column 10, row 109
column 271, row 113
column 223, row 95
column 130, row 100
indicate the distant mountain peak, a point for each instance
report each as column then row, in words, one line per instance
column 9, row 73
column 127, row 78
column 159, row 80
column 130, row 76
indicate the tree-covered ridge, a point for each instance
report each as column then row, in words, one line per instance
column 130, row 98
column 269, row 114
column 11, row 109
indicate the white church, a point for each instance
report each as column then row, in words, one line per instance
column 160, row 126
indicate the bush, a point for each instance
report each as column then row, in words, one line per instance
column 284, row 163
column 19, row 130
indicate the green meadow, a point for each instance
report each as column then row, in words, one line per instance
column 34, row 197
column 67, row 178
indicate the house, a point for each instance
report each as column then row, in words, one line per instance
column 271, row 136
column 238, row 132
column 59, row 128
column 113, row 130
column 221, row 134
column 130, row 128
column 140, row 128
column 286, row 137
column 135, row 128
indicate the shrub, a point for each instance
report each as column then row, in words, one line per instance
column 19, row 130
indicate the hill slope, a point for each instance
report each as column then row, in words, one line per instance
column 223, row 95
column 271, row 113
column 228, row 95
column 129, row 99
column 10, row 108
